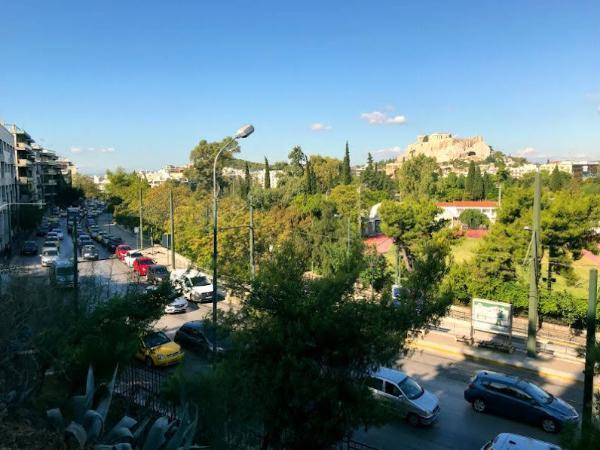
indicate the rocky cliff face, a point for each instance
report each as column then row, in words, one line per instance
column 444, row 148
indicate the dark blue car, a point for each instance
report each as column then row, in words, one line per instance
column 518, row 399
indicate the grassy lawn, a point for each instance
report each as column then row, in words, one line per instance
column 465, row 249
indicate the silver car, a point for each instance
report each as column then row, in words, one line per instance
column 89, row 252
column 405, row 396
column 48, row 257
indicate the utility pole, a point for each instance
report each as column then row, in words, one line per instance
column 397, row 250
column 251, row 228
column 172, row 240
column 533, row 271
column 500, row 195
column 141, row 230
column 359, row 216
column 348, row 237
column 590, row 342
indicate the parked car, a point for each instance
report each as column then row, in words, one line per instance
column 48, row 257
column 52, row 234
column 131, row 256
column 198, row 335
column 196, row 286
column 112, row 242
column 121, row 251
column 101, row 236
column 156, row 349
column 53, row 239
column 49, row 245
column 405, row 396
column 179, row 305
column 29, row 248
column 518, row 399
column 42, row 230
column 157, row 274
column 59, row 233
column 89, row 252
column 141, row 264
column 509, row 441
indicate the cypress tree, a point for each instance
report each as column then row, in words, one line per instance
column 267, row 174
column 556, row 182
column 469, row 181
column 247, row 185
column 478, row 187
column 346, row 172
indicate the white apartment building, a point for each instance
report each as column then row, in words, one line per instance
column 581, row 169
column 169, row 173
column 8, row 186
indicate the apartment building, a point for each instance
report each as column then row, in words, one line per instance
column 580, row 169
column 28, row 174
column 8, row 187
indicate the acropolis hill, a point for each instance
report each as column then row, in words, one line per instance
column 444, row 148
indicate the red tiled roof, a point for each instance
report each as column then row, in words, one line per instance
column 469, row 204
column 382, row 243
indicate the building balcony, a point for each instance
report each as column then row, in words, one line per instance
column 50, row 182
column 24, row 180
column 23, row 162
column 51, row 172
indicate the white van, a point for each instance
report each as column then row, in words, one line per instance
column 509, row 441
column 194, row 285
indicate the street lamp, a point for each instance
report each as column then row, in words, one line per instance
column 242, row 133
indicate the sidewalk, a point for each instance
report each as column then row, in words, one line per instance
column 549, row 367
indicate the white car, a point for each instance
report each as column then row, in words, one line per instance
column 194, row 285
column 180, row 304
column 509, row 441
column 59, row 233
column 49, row 257
column 131, row 256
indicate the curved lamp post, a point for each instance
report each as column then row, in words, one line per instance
column 242, row 133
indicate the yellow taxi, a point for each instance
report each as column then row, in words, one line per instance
column 156, row 349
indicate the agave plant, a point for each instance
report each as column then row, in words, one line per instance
column 87, row 429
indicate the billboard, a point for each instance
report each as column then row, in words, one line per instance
column 491, row 316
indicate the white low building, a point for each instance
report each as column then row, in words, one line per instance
column 451, row 211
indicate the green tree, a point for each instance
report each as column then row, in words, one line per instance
column 478, row 186
column 473, row 218
column 86, row 184
column 375, row 273
column 297, row 161
column 346, row 171
column 267, row 174
column 310, row 179
column 558, row 179
column 470, row 181
column 247, row 184
column 202, row 158
column 410, row 223
column 305, row 368
column 417, row 177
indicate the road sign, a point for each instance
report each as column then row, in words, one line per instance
column 491, row 316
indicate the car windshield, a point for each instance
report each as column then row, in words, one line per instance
column 50, row 253
column 50, row 244
column 64, row 271
column 540, row 395
column 146, row 262
column 160, row 270
column 199, row 281
column 135, row 255
column 411, row 388
column 155, row 339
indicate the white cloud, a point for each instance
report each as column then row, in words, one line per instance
column 394, row 149
column 381, row 118
column 75, row 150
column 598, row 109
column 318, row 126
column 527, row 151
column 106, row 150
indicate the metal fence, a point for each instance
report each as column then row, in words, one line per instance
column 349, row 444
column 142, row 387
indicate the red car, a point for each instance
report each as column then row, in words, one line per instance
column 121, row 250
column 141, row 264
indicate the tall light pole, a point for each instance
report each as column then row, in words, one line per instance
column 242, row 133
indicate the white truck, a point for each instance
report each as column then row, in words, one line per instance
column 194, row 285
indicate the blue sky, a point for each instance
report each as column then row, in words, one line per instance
column 137, row 83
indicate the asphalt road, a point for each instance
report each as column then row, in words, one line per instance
column 458, row 427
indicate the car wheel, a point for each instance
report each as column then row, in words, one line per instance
column 479, row 405
column 549, row 426
column 413, row 420
column 149, row 362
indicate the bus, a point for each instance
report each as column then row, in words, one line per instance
column 62, row 274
